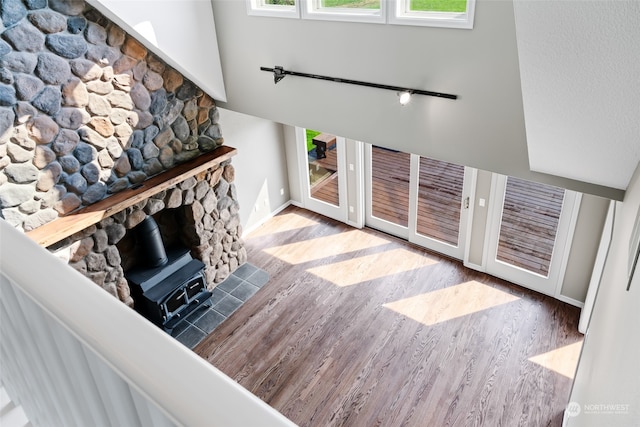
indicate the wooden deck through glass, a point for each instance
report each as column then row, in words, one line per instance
column 390, row 185
column 529, row 224
column 326, row 189
column 531, row 210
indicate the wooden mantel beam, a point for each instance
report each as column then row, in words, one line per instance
column 60, row 228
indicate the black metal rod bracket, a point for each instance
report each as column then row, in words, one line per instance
column 279, row 73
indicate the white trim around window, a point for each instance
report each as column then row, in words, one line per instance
column 395, row 12
column 400, row 14
column 261, row 8
column 313, row 9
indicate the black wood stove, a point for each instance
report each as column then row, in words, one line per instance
column 167, row 285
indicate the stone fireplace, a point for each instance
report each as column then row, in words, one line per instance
column 88, row 114
column 200, row 213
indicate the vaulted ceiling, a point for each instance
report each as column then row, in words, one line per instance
column 549, row 90
column 580, row 77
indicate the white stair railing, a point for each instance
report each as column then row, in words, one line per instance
column 11, row 414
column 72, row 355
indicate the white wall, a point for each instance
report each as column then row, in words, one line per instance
column 579, row 68
column 584, row 248
column 181, row 32
column 479, row 221
column 609, row 367
column 295, row 183
column 484, row 128
column 261, row 165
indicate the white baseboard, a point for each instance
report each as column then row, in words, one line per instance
column 473, row 266
column 268, row 217
column 571, row 301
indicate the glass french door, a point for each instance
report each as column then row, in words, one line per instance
column 416, row 198
column 531, row 224
column 323, row 168
column 388, row 188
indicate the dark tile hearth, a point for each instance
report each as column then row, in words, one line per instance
column 227, row 297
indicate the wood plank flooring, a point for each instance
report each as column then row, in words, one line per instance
column 356, row 328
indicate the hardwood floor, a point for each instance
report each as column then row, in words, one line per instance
column 357, row 328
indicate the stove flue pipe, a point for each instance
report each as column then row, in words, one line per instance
column 150, row 243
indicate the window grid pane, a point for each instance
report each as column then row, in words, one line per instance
column 390, row 185
column 439, row 200
column 279, row 2
column 529, row 225
column 458, row 6
column 322, row 157
column 352, row 4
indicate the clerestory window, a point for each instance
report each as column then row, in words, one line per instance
column 345, row 10
column 434, row 13
column 276, row 8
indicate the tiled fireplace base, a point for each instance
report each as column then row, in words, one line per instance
column 227, row 297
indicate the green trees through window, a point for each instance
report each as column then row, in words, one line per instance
column 414, row 5
column 310, row 135
column 356, row 4
column 438, row 5
column 280, row 2
column 430, row 13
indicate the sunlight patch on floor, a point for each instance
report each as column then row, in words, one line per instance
column 562, row 360
column 371, row 267
column 283, row 222
column 450, row 303
column 323, row 247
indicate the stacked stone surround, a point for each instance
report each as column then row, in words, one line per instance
column 87, row 111
column 200, row 213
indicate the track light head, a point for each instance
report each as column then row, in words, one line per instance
column 278, row 74
column 405, row 97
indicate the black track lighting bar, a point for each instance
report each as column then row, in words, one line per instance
column 279, row 73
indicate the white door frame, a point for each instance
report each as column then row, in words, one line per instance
column 379, row 223
column 339, row 213
column 552, row 284
column 457, row 252
column 410, row 232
